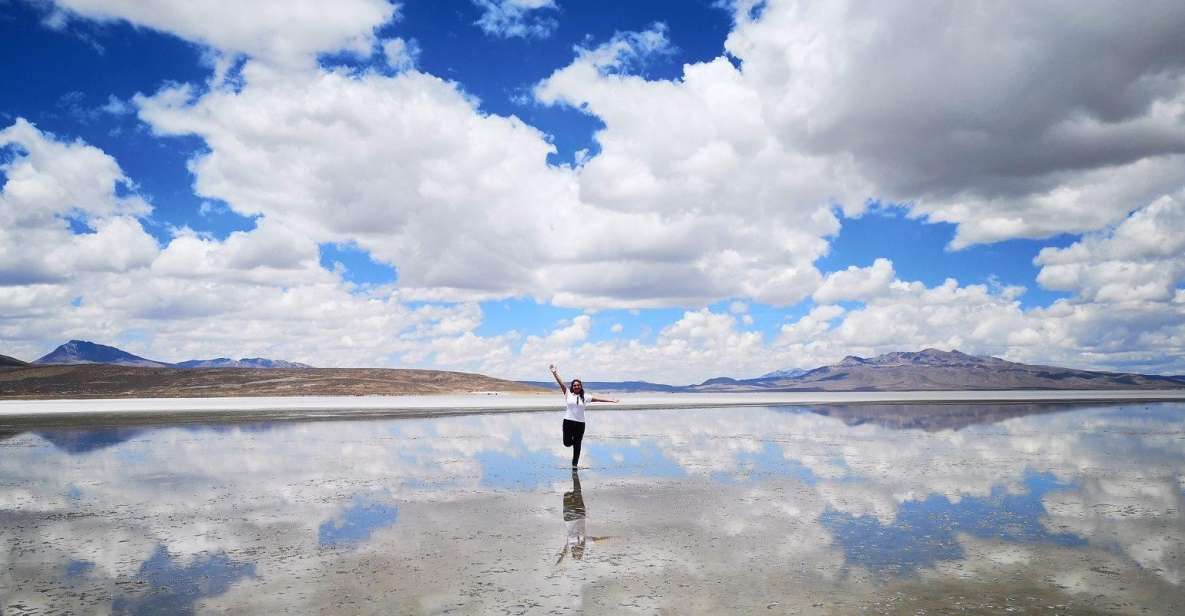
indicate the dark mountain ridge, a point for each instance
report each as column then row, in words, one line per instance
column 86, row 352
column 246, row 362
column 932, row 369
column 11, row 361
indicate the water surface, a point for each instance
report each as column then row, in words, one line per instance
column 978, row 508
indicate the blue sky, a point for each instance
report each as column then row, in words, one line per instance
column 805, row 178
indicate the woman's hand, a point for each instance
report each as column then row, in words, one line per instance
column 556, row 375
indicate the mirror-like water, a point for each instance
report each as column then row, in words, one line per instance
column 886, row 509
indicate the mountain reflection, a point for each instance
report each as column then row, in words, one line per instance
column 933, row 417
column 719, row 510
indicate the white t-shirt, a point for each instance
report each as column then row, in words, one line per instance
column 575, row 410
column 575, row 531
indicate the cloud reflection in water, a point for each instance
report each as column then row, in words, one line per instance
column 716, row 508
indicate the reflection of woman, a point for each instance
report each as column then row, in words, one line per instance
column 574, row 416
column 574, row 515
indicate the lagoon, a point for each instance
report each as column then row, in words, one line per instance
column 1036, row 507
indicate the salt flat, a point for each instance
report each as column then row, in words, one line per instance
column 424, row 405
column 1018, row 507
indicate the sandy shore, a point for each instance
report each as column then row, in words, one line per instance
column 319, row 407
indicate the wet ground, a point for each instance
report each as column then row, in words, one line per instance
column 989, row 508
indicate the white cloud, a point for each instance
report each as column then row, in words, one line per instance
column 1013, row 139
column 719, row 184
column 287, row 32
column 49, row 182
column 811, row 327
column 401, row 54
column 198, row 296
column 857, row 283
column 517, row 18
column 1142, row 258
column 487, row 215
column 699, row 344
column 259, row 292
column 978, row 319
column 51, row 177
column 116, row 106
column 833, row 103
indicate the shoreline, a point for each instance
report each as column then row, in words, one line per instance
column 135, row 411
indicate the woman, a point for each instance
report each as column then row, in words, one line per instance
column 574, row 516
column 574, row 417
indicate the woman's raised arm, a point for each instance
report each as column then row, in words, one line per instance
column 558, row 380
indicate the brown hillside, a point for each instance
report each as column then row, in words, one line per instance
column 109, row 381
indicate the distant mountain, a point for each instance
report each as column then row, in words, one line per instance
column 617, row 386
column 11, row 361
column 83, row 352
column 934, row 370
column 246, row 362
column 927, row 370
column 783, row 374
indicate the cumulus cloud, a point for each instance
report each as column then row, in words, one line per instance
column 401, row 54
column 268, row 282
column 1142, row 258
column 279, row 31
column 833, row 102
column 720, row 184
column 857, row 283
column 977, row 318
column 1012, row 139
column 517, row 18
column 196, row 296
column 410, row 170
column 49, row 183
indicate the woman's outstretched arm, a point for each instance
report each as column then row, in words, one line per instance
column 558, row 380
column 609, row 400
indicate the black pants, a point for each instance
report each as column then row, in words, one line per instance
column 573, row 434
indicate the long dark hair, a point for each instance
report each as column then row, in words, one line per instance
column 580, row 395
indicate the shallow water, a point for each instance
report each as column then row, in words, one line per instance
column 1052, row 509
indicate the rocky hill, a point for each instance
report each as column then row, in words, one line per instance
column 932, row 369
column 84, row 352
column 927, row 370
column 11, row 361
column 246, row 362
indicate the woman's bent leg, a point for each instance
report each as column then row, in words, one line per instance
column 569, row 430
column 577, row 438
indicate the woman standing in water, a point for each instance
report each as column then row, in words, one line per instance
column 574, row 416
